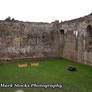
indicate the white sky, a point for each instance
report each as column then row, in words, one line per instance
column 44, row 10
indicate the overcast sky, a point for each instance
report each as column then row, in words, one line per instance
column 44, row 10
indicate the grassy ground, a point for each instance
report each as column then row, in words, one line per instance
column 48, row 72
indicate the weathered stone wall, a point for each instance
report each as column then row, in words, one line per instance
column 23, row 39
column 69, row 39
column 77, row 41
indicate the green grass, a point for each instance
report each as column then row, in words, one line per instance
column 48, row 72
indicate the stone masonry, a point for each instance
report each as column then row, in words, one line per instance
column 76, row 39
column 71, row 40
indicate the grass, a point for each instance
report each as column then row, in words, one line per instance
column 48, row 72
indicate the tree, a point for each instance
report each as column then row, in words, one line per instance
column 8, row 19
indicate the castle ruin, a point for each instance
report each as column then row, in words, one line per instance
column 71, row 40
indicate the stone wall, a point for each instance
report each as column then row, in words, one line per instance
column 69, row 39
column 25, row 39
column 77, row 41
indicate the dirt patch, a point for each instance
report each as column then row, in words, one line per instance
column 22, row 65
column 34, row 64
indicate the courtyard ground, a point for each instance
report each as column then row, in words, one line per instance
column 52, row 71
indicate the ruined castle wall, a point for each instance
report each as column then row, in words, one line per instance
column 69, row 42
column 24, row 39
column 83, row 44
column 76, row 41
column 70, row 39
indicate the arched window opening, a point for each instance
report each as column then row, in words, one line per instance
column 61, row 31
column 89, row 38
column 89, row 31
